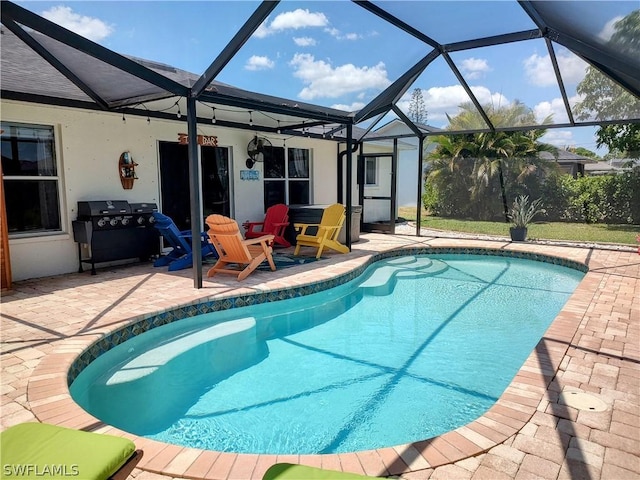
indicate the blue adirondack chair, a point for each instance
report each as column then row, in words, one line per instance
column 180, row 241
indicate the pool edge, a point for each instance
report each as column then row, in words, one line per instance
column 517, row 404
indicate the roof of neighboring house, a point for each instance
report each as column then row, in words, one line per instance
column 565, row 156
column 601, row 167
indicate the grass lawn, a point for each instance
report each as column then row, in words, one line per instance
column 581, row 232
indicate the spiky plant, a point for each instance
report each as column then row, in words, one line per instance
column 523, row 211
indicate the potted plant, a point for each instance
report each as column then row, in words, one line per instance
column 521, row 215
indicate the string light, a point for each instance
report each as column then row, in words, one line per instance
column 213, row 118
column 179, row 114
column 250, row 118
column 124, row 120
column 278, row 131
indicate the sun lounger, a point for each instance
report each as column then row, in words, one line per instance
column 288, row 471
column 39, row 450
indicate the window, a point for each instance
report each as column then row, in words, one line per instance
column 371, row 171
column 31, row 184
column 286, row 180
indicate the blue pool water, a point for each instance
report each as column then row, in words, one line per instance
column 413, row 348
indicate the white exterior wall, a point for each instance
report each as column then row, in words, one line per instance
column 88, row 146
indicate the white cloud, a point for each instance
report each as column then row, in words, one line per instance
column 487, row 97
column 539, row 69
column 440, row 101
column 257, row 62
column 558, row 138
column 292, row 20
column 338, row 35
column 354, row 107
column 304, row 41
column 263, row 30
column 92, row 28
column 555, row 108
column 334, row 32
column 474, row 67
column 324, row 80
column 352, row 36
column 609, row 29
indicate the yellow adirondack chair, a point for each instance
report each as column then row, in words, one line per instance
column 328, row 230
column 244, row 256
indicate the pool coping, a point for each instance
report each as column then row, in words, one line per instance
column 506, row 417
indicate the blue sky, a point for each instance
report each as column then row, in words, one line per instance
column 334, row 53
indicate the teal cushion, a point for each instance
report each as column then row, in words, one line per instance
column 38, row 450
column 287, row 471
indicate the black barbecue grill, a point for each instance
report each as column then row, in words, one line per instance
column 115, row 230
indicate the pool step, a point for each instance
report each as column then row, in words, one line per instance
column 149, row 362
column 383, row 280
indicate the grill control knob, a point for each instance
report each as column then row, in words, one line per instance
column 113, row 222
column 152, row 219
column 125, row 221
column 101, row 222
column 140, row 220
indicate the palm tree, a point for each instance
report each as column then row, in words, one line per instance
column 495, row 160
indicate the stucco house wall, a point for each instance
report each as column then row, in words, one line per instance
column 88, row 146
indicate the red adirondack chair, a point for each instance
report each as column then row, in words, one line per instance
column 275, row 222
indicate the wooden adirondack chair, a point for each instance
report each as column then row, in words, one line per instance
column 328, row 230
column 276, row 220
column 235, row 255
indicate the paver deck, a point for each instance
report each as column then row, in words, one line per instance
column 593, row 347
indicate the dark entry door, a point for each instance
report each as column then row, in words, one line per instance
column 174, row 182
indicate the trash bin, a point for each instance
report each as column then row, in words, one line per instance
column 356, row 215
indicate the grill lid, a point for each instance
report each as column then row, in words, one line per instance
column 143, row 207
column 95, row 208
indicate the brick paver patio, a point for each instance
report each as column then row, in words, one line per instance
column 592, row 347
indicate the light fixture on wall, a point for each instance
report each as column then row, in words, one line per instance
column 213, row 118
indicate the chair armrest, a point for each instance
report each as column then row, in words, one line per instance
column 249, row 225
column 303, row 226
column 264, row 238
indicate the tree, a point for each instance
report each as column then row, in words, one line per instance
column 417, row 110
column 488, row 163
column 604, row 99
column 583, row 152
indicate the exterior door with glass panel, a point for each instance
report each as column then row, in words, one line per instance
column 174, row 182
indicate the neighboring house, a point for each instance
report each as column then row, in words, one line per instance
column 569, row 162
column 614, row 166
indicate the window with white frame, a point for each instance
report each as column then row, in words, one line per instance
column 30, row 178
column 371, row 171
column 287, row 177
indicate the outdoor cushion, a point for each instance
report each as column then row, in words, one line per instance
column 288, row 471
column 39, row 450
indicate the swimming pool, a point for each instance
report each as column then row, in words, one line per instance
column 411, row 349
